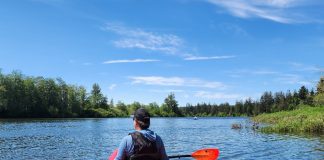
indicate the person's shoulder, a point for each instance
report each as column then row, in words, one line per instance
column 156, row 134
column 128, row 137
column 158, row 138
column 126, row 141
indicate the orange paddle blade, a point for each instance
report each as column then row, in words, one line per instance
column 113, row 155
column 206, row 154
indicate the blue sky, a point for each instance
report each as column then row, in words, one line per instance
column 141, row 50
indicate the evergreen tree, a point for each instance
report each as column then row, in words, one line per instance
column 248, row 105
column 172, row 104
column 303, row 93
column 266, row 101
column 279, row 102
column 319, row 97
column 22, row 96
column 320, row 86
column 97, row 100
column 3, row 97
column 239, row 108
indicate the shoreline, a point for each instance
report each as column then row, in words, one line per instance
column 305, row 119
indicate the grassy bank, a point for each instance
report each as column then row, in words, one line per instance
column 306, row 119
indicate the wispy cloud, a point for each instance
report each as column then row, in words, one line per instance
column 233, row 29
column 216, row 95
column 241, row 72
column 293, row 79
column 275, row 10
column 192, row 58
column 252, row 72
column 264, row 72
column 130, row 61
column 87, row 64
column 138, row 38
column 152, row 41
column 112, row 86
column 49, row 2
column 167, row 91
column 303, row 67
column 176, row 81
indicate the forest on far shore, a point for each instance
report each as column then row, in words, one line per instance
column 38, row 97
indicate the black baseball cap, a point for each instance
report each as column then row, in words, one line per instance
column 142, row 115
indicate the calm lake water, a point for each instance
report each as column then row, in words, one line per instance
column 97, row 138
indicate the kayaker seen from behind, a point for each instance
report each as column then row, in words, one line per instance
column 142, row 144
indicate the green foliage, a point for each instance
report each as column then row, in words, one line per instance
column 171, row 105
column 97, row 100
column 133, row 107
column 305, row 119
column 100, row 113
column 303, row 93
column 320, row 86
column 22, row 96
column 154, row 109
column 122, row 108
column 319, row 99
column 3, row 100
column 266, row 102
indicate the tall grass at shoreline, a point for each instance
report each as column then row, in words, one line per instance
column 306, row 119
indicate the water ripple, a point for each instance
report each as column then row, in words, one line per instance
column 96, row 138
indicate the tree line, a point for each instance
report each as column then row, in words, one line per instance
column 38, row 97
column 30, row 97
column 268, row 103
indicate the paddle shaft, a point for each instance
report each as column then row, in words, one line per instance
column 179, row 156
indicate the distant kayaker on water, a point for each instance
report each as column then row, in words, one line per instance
column 142, row 144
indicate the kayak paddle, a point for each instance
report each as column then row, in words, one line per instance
column 202, row 154
column 113, row 155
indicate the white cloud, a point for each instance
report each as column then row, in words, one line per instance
column 218, row 95
column 302, row 67
column 192, row 58
column 87, row 63
column 152, row 41
column 293, row 79
column 186, row 96
column 50, row 2
column 264, row 72
column 167, row 91
column 112, row 86
column 233, row 29
column 138, row 38
column 176, row 81
column 243, row 72
column 279, row 3
column 274, row 10
column 130, row 61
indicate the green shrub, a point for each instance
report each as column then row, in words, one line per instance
column 305, row 119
